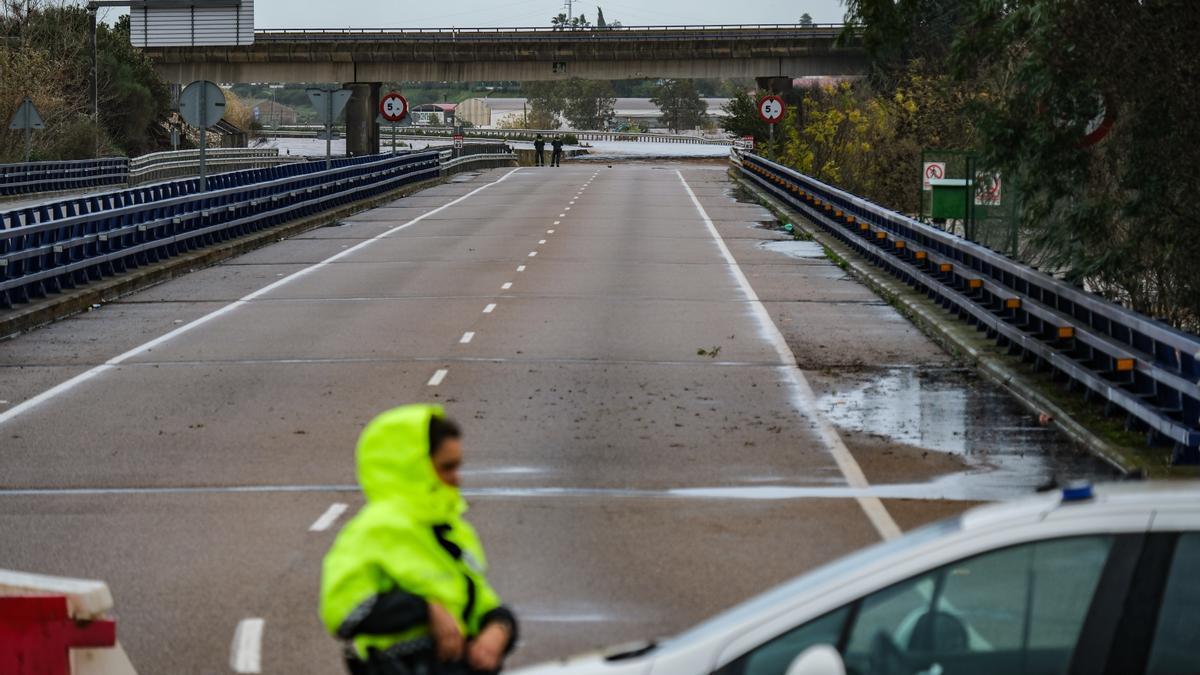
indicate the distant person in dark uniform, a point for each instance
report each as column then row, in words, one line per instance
column 556, row 158
column 539, row 151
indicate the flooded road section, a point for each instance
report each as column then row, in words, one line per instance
column 921, row 424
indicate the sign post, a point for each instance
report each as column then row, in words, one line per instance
column 202, row 104
column 771, row 109
column 393, row 109
column 329, row 104
column 27, row 117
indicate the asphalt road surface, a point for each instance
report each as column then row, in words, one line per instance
column 642, row 449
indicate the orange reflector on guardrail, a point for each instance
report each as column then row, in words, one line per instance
column 1012, row 303
column 975, row 284
column 921, row 255
column 881, row 235
column 900, row 244
column 1124, row 365
column 850, row 219
column 837, row 213
column 945, row 267
column 864, row 227
column 1066, row 332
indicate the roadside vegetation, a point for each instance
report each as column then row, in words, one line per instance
column 1030, row 87
column 45, row 54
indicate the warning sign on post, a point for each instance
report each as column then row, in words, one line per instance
column 988, row 189
column 932, row 171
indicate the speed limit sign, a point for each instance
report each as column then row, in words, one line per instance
column 771, row 109
column 393, row 107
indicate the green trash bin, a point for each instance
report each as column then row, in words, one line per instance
column 950, row 198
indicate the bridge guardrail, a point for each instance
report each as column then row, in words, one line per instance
column 664, row 32
column 520, row 134
column 1135, row 364
column 52, row 247
column 35, row 177
column 174, row 164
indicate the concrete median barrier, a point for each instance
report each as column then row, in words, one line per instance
column 58, row 626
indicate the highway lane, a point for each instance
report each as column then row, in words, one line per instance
column 189, row 474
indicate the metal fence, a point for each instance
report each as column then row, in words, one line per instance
column 1134, row 364
column 60, row 245
column 415, row 132
column 35, row 177
column 159, row 166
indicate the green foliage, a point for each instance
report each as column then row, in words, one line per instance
column 1117, row 217
column 680, row 104
column 45, row 54
column 742, row 119
column 585, row 104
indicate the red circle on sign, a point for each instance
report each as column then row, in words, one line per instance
column 393, row 107
column 772, row 109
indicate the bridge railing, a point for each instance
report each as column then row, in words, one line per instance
column 174, row 164
column 52, row 247
column 1135, row 364
column 665, row 31
column 475, row 133
column 35, row 177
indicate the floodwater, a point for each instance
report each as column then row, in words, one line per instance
column 1005, row 449
column 987, row 445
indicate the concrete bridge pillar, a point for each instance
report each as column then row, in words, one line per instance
column 362, row 133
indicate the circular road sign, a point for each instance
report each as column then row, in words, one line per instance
column 393, row 107
column 771, row 109
column 202, row 104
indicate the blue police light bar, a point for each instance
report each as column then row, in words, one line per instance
column 1079, row 491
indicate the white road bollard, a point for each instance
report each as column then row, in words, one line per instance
column 86, row 600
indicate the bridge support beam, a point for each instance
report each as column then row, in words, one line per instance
column 362, row 133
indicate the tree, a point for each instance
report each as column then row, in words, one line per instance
column 680, row 103
column 741, row 117
column 589, row 104
column 1115, row 216
column 546, row 104
column 806, row 19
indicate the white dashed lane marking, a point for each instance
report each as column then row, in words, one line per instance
column 490, row 308
column 438, row 377
column 521, row 268
column 507, row 285
column 466, row 338
column 533, row 254
column 246, row 652
column 328, row 518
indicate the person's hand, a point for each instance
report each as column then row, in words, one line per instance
column 447, row 638
column 486, row 652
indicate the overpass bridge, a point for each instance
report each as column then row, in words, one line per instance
column 365, row 58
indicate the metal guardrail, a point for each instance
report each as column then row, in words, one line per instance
column 35, row 177
column 298, row 131
column 1135, row 364
column 52, row 247
column 175, row 164
column 454, row 34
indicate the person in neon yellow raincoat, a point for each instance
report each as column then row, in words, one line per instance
column 403, row 585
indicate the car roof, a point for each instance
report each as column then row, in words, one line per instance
column 1132, row 496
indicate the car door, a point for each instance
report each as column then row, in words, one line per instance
column 1022, row 609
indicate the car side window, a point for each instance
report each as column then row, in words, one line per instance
column 1012, row 611
column 1177, row 632
column 1007, row 612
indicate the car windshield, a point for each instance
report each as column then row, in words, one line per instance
column 762, row 605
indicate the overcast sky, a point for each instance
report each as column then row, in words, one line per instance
column 426, row 13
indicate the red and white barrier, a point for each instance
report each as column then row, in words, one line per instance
column 57, row 626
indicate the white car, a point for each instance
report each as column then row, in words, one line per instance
column 1078, row 581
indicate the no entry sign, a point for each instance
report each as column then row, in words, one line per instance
column 932, row 171
column 771, row 109
column 393, row 107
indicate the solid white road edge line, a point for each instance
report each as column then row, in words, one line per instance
column 328, row 518
column 466, row 338
column 802, row 392
column 246, row 652
column 438, row 377
column 79, row 379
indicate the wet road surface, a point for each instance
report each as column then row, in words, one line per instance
column 641, row 451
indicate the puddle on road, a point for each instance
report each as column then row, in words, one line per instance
column 800, row 249
column 1006, row 450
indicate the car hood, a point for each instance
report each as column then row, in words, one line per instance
column 595, row 663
